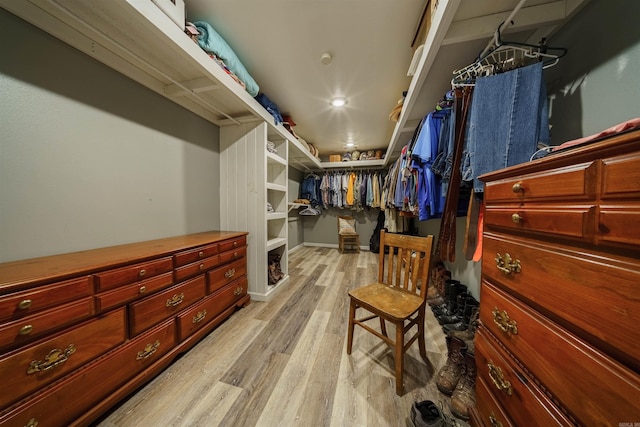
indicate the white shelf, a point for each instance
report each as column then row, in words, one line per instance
column 353, row 164
column 276, row 158
column 297, row 205
column 276, row 215
column 276, row 243
column 276, row 187
column 137, row 39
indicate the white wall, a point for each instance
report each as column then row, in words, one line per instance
column 88, row 158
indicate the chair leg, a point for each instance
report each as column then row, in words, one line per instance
column 399, row 357
column 352, row 315
column 421, row 341
column 383, row 327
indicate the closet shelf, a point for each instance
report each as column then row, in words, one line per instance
column 276, row 215
column 296, row 205
column 276, row 187
column 276, row 158
column 135, row 38
column 353, row 164
column 275, row 243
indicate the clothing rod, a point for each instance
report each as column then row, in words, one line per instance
column 507, row 23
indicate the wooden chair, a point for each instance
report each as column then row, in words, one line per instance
column 399, row 295
column 347, row 234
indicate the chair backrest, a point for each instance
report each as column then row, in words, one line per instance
column 346, row 225
column 406, row 263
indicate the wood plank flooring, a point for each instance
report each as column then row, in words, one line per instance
column 283, row 363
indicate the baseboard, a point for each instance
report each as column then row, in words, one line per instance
column 330, row 245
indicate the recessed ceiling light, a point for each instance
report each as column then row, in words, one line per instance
column 349, row 144
column 338, row 102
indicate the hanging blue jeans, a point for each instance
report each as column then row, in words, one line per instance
column 508, row 118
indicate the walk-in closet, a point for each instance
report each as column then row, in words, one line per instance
column 320, row 213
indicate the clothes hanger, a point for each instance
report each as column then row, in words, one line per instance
column 503, row 55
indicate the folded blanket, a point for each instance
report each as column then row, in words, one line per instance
column 212, row 42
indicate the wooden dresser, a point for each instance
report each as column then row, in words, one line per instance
column 559, row 335
column 81, row 331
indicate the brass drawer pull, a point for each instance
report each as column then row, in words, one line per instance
column 235, row 244
column 235, row 254
column 54, row 358
column 142, row 289
column 517, row 187
column 142, row 272
column 149, row 349
column 24, row 304
column 26, row 330
column 507, row 264
column 200, row 254
column 506, row 325
column 200, row 316
column 237, row 291
column 31, row 423
column 201, row 266
column 516, row 218
column 494, row 422
column 229, row 274
column 495, row 373
column 175, row 300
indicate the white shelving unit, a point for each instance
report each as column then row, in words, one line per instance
column 251, row 177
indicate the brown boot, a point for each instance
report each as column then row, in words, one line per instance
column 464, row 396
column 435, row 292
column 450, row 373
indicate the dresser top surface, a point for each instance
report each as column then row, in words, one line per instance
column 15, row 275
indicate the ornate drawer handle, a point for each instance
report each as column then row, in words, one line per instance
column 501, row 319
column 142, row 289
column 516, row 218
column 229, row 274
column 495, row 373
column 237, row 291
column 25, row 330
column 54, row 358
column 517, row 187
column 142, row 272
column 507, row 264
column 494, row 422
column 200, row 316
column 175, row 300
column 24, row 304
column 149, row 349
column 31, row 423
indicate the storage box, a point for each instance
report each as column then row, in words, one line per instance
column 425, row 24
column 174, row 9
column 335, row 158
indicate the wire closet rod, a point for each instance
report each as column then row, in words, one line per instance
column 507, row 23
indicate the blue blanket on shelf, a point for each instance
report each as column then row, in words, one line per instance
column 212, row 42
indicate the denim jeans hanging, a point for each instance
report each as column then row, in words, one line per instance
column 509, row 117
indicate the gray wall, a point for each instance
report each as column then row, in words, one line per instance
column 597, row 84
column 323, row 229
column 89, row 158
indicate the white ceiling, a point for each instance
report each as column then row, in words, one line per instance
column 281, row 42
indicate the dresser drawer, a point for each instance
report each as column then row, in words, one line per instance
column 576, row 222
column 226, row 274
column 520, row 397
column 203, row 312
column 132, row 273
column 233, row 255
column 125, row 294
column 237, row 243
column 31, row 368
column 146, row 313
column 572, row 183
column 589, row 291
column 573, row 370
column 80, row 392
column 195, row 268
column 487, row 409
column 31, row 327
column 619, row 225
column 20, row 304
column 197, row 254
column 621, row 177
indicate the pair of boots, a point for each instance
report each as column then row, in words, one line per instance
column 457, row 378
column 437, row 279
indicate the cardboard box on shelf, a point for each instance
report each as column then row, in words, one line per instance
column 174, row 9
column 335, row 158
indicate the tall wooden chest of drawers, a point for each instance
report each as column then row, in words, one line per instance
column 559, row 335
column 80, row 331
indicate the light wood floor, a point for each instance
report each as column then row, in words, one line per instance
column 283, row 363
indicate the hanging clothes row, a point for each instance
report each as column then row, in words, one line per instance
column 351, row 189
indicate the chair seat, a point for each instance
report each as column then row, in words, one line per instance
column 394, row 302
column 347, row 233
